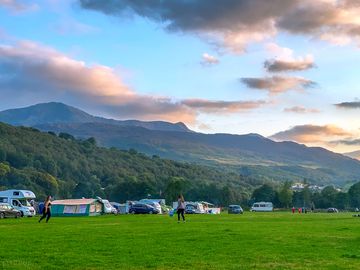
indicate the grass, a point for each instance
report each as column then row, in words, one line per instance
column 249, row 241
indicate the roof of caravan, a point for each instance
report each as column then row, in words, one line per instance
column 73, row 201
column 26, row 193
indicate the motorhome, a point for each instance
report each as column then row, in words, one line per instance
column 262, row 207
column 19, row 199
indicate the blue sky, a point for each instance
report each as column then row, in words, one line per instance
column 200, row 62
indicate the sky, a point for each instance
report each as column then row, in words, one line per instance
column 285, row 69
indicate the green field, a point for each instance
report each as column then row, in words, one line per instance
column 249, row 241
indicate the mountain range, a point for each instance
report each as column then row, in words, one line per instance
column 249, row 154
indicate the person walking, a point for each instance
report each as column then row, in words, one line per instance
column 181, row 208
column 47, row 209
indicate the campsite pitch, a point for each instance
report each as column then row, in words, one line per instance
column 249, row 241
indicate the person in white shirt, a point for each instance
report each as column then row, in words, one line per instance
column 181, row 208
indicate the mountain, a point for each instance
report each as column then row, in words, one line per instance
column 68, row 168
column 55, row 112
column 354, row 154
column 250, row 154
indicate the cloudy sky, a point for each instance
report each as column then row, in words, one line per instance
column 286, row 69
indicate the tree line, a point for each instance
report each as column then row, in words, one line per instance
column 66, row 167
column 284, row 197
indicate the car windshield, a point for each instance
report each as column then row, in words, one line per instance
column 24, row 202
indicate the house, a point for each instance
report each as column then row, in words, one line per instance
column 76, row 207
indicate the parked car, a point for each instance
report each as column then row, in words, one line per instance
column 235, row 209
column 190, row 209
column 6, row 210
column 194, row 208
column 152, row 203
column 143, row 208
column 332, row 210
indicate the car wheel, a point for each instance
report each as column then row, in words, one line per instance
column 2, row 215
column 132, row 212
column 22, row 213
column 151, row 212
column 17, row 215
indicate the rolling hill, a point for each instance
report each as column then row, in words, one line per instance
column 68, row 168
column 249, row 154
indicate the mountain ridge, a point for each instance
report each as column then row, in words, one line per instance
column 250, row 154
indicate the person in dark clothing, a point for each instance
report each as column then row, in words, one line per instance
column 47, row 210
column 181, row 208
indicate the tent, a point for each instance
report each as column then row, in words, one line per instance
column 76, row 207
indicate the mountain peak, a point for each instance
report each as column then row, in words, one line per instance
column 60, row 113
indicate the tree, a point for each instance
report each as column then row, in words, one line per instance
column 328, row 195
column 285, row 195
column 354, row 195
column 341, row 200
column 306, row 196
column 66, row 136
column 2, row 155
column 175, row 186
column 264, row 193
column 4, row 169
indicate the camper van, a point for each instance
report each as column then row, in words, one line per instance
column 262, row 207
column 19, row 199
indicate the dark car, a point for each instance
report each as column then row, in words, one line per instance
column 235, row 209
column 143, row 208
column 6, row 210
column 190, row 209
column 332, row 210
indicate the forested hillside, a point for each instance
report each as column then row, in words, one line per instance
column 249, row 154
column 68, row 168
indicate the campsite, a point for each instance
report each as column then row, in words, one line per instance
column 249, row 241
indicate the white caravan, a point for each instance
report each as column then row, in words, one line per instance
column 262, row 207
column 19, row 199
column 107, row 207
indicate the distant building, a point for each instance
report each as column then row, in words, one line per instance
column 315, row 188
column 297, row 187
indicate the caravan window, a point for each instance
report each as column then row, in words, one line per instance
column 262, row 205
column 3, row 199
column 16, row 193
column 256, row 205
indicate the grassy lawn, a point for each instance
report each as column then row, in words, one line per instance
column 249, row 241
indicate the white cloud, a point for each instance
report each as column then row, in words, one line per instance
column 209, row 60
